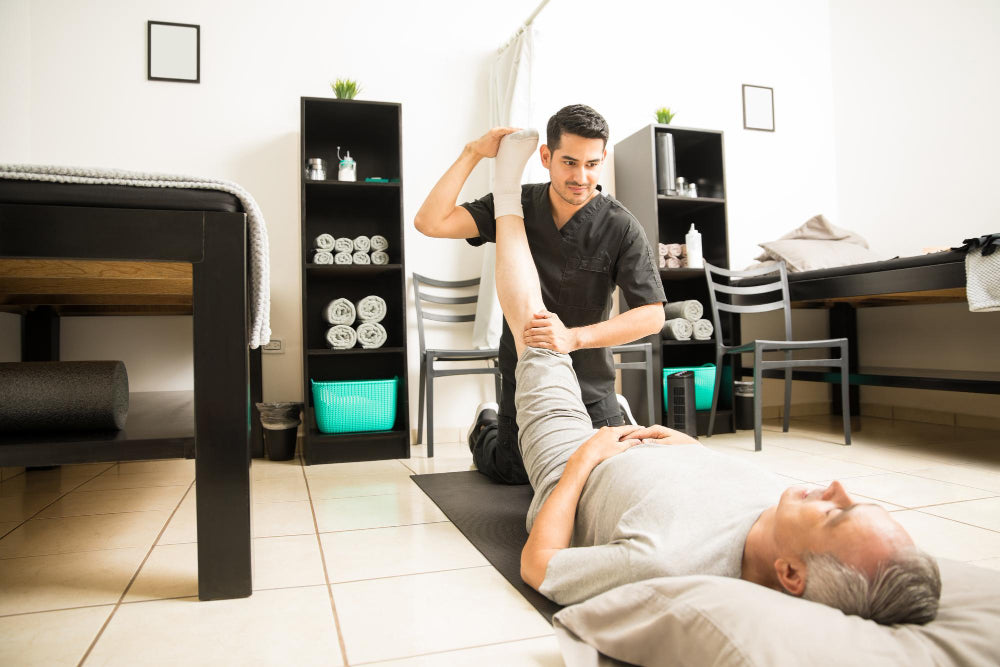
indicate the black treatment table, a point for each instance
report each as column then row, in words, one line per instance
column 924, row 279
column 68, row 249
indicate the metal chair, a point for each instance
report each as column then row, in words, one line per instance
column 646, row 349
column 428, row 356
column 748, row 299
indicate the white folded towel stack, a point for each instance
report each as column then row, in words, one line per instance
column 323, row 257
column 702, row 330
column 371, row 335
column 324, row 242
column 343, row 244
column 691, row 310
column 343, row 258
column 371, row 309
column 362, row 243
column 341, row 311
column 379, row 257
column 341, row 337
column 361, row 257
column 677, row 328
column 380, row 242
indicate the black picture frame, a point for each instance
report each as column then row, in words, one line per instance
column 758, row 108
column 162, row 47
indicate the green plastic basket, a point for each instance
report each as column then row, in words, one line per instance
column 355, row 405
column 704, row 383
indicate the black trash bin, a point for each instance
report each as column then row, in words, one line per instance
column 743, row 398
column 281, row 425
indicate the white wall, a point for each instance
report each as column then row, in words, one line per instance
column 90, row 104
column 916, row 87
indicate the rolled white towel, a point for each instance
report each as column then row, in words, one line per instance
column 341, row 337
column 673, row 249
column 361, row 257
column 673, row 262
column 663, row 261
column 379, row 257
column 341, row 311
column 324, row 242
column 677, row 328
column 664, row 249
column 371, row 335
column 362, row 243
column 371, row 309
column 323, row 257
column 702, row 330
column 344, row 244
column 343, row 258
column 690, row 310
column 380, row 242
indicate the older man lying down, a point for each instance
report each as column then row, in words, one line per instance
column 623, row 504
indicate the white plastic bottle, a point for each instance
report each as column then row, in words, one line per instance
column 693, row 242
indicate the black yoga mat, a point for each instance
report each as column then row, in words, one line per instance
column 491, row 516
column 63, row 395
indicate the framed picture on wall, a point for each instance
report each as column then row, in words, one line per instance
column 758, row 108
column 173, row 52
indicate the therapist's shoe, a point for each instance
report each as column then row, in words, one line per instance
column 486, row 414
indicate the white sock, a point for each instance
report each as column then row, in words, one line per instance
column 515, row 149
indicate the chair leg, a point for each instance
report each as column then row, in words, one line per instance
column 844, row 392
column 430, row 412
column 420, row 400
column 788, row 394
column 758, row 400
column 652, row 418
column 715, row 391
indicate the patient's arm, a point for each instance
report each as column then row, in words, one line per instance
column 553, row 527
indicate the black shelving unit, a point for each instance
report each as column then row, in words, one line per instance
column 372, row 132
column 699, row 158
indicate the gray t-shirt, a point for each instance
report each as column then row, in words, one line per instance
column 659, row 510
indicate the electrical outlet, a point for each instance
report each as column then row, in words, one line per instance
column 273, row 346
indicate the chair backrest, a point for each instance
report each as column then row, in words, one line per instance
column 421, row 296
column 748, row 298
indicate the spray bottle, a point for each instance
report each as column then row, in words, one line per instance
column 693, row 242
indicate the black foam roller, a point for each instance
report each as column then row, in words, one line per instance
column 63, row 395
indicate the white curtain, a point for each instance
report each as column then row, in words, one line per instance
column 511, row 88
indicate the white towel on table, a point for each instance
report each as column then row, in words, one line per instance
column 260, row 271
column 323, row 257
column 982, row 281
column 380, row 242
column 324, row 242
column 362, row 243
column 677, row 328
column 371, row 309
column 344, row 244
column 379, row 257
column 702, row 330
column 371, row 335
column 361, row 257
column 341, row 337
column 690, row 310
column 341, row 311
column 343, row 258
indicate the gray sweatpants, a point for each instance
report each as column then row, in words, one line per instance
column 551, row 418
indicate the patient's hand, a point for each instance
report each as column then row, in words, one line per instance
column 607, row 442
column 661, row 435
column 546, row 330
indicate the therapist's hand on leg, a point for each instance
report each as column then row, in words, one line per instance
column 547, row 331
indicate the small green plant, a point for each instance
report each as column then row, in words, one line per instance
column 345, row 89
column 664, row 115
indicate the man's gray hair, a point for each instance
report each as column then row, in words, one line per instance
column 906, row 588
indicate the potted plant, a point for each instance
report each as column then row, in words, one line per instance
column 664, row 115
column 345, row 89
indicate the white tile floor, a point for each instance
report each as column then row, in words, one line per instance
column 354, row 565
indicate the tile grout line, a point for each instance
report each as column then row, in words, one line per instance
column 135, row 574
column 54, row 501
column 460, row 648
column 326, row 573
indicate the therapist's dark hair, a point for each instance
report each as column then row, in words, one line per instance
column 578, row 119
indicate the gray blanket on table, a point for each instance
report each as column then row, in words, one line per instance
column 260, row 280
